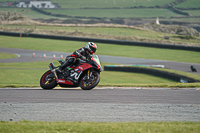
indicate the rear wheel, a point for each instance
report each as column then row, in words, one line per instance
column 88, row 84
column 48, row 81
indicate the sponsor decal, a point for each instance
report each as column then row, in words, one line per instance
column 80, row 68
column 76, row 75
column 61, row 81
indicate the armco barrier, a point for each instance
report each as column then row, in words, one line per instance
column 119, row 42
column 172, row 76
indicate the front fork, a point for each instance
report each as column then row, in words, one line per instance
column 89, row 74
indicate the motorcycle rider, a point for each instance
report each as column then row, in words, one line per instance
column 82, row 53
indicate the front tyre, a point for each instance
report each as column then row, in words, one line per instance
column 48, row 81
column 88, row 84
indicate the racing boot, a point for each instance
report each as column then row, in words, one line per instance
column 66, row 63
column 62, row 67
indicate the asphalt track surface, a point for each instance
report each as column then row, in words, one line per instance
column 100, row 104
column 27, row 56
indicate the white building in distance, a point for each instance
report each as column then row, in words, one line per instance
column 35, row 3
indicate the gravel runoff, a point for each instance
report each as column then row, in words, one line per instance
column 99, row 112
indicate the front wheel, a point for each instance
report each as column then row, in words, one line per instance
column 88, row 84
column 48, row 81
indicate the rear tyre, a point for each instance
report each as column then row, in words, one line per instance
column 88, row 84
column 47, row 82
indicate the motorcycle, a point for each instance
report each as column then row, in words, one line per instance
column 84, row 74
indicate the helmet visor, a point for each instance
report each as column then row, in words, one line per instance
column 93, row 49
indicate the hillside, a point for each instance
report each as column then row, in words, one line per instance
column 128, row 12
column 171, row 29
column 175, row 17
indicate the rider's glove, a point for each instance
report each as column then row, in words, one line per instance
column 83, row 58
column 88, row 58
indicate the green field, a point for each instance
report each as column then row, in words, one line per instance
column 194, row 12
column 116, row 13
column 99, row 127
column 109, row 3
column 189, row 4
column 99, row 13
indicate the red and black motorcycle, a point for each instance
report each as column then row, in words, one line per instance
column 84, row 74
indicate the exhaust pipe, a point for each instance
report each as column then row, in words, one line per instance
column 53, row 69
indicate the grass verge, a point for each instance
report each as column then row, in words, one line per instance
column 99, row 127
column 28, row 75
column 22, row 77
column 7, row 56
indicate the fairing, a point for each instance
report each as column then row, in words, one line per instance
column 79, row 70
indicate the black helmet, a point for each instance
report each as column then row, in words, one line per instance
column 92, row 47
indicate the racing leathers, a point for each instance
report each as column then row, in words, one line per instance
column 82, row 53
